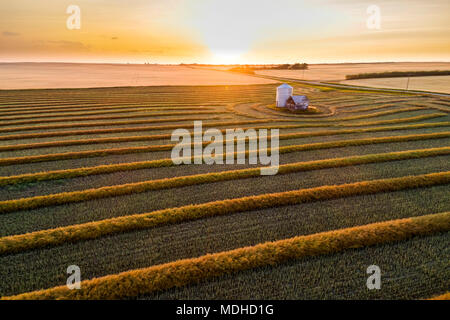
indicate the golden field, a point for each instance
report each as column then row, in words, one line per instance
column 433, row 83
column 67, row 75
column 86, row 178
column 335, row 72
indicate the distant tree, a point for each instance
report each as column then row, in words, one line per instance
column 282, row 67
column 299, row 66
column 243, row 69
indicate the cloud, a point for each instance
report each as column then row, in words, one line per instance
column 10, row 34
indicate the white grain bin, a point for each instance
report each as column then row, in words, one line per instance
column 283, row 93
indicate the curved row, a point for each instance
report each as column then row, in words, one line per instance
column 128, row 116
column 183, row 181
column 24, row 115
column 97, row 229
column 65, row 143
column 190, row 126
column 182, row 272
column 120, row 123
column 168, row 147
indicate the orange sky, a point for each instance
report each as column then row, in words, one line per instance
column 232, row 31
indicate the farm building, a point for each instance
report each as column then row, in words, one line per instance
column 283, row 93
column 297, row 103
column 286, row 99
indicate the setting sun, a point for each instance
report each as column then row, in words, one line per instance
column 227, row 28
column 226, row 58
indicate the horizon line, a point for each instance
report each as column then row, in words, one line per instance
column 213, row 64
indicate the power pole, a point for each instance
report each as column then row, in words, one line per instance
column 407, row 83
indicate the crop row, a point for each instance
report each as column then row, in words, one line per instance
column 365, row 116
column 442, row 103
column 366, row 108
column 415, row 264
column 376, row 114
column 83, row 104
column 182, row 272
column 135, row 129
column 432, row 104
column 200, row 237
column 37, row 104
column 24, row 115
column 102, row 169
column 188, row 126
column 147, row 106
column 332, row 121
column 97, row 229
column 176, row 182
column 232, row 108
column 445, row 296
column 157, row 96
column 128, row 116
column 65, row 143
column 398, row 120
column 74, row 125
column 167, row 147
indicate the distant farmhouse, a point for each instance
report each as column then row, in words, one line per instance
column 285, row 99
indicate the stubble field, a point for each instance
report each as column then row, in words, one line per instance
column 432, row 84
column 86, row 179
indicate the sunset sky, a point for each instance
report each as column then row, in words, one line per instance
column 231, row 31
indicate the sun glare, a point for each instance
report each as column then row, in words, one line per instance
column 227, row 28
column 227, row 57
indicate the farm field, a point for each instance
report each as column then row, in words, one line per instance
column 433, row 83
column 336, row 72
column 86, row 179
column 68, row 75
